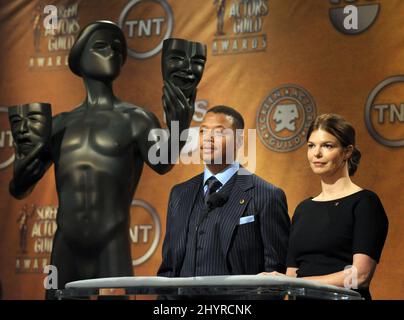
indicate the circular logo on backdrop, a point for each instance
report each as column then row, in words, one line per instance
column 284, row 116
column 144, row 231
column 384, row 115
column 146, row 23
column 353, row 17
column 6, row 140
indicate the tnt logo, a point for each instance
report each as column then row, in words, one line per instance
column 6, row 140
column 384, row 112
column 353, row 16
column 146, row 23
column 144, row 231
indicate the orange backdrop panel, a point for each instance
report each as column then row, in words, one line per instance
column 289, row 42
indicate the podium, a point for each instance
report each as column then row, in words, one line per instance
column 239, row 287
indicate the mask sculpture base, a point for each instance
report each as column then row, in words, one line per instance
column 98, row 151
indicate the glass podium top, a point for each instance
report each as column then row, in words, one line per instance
column 241, row 287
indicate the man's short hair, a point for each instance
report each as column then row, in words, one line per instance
column 238, row 121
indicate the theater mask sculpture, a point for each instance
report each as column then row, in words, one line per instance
column 31, row 126
column 98, row 151
column 183, row 63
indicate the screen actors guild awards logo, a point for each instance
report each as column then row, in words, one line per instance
column 353, row 17
column 54, row 30
column 284, row 116
column 49, row 15
column 244, row 31
column 37, row 227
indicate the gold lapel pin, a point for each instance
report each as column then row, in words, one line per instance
column 242, row 201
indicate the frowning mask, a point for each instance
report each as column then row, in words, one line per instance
column 30, row 124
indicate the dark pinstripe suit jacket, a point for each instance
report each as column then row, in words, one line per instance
column 249, row 248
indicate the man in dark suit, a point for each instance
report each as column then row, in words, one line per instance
column 225, row 221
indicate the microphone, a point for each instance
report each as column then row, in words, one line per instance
column 213, row 201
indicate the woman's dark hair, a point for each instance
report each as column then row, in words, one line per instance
column 84, row 36
column 343, row 131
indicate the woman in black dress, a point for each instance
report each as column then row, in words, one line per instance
column 336, row 237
